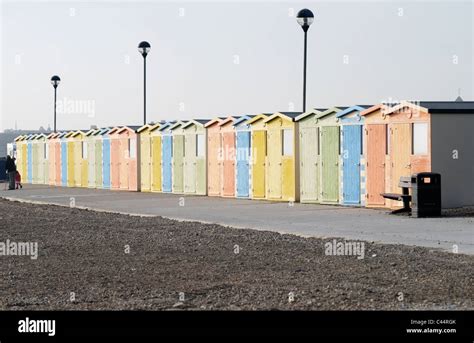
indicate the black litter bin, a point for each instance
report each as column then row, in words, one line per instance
column 426, row 195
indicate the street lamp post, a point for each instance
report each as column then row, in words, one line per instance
column 55, row 80
column 305, row 18
column 144, row 49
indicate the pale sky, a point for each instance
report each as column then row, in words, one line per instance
column 225, row 58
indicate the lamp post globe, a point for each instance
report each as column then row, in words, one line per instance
column 305, row 18
column 144, row 48
column 55, row 80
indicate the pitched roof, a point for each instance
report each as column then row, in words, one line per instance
column 229, row 119
column 242, row 119
column 156, row 126
column 197, row 122
column 351, row 109
column 289, row 115
column 261, row 116
column 143, row 128
column 311, row 112
column 216, row 120
column 330, row 111
column 179, row 123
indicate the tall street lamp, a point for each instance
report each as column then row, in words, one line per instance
column 55, row 80
column 144, row 49
column 305, row 18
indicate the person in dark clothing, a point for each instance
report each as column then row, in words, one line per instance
column 10, row 168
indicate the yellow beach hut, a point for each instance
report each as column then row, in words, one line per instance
column 282, row 170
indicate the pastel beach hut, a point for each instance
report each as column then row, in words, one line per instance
column 214, row 157
column 41, row 154
column 103, row 154
column 258, row 155
column 35, row 159
column 156, row 164
column 145, row 157
column 64, row 158
column 29, row 150
column 71, row 158
column 433, row 136
column 330, row 155
column 242, row 156
column 80, row 159
column 195, row 157
column 91, row 157
column 52, row 160
column 282, row 168
column 177, row 133
column 115, row 158
column 376, row 155
column 309, row 156
column 352, row 155
column 166, row 157
column 227, row 172
column 19, row 142
column 129, row 175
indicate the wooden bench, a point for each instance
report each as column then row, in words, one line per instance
column 405, row 197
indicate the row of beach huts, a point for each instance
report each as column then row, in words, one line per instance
column 341, row 155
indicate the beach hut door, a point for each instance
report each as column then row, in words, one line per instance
column 190, row 164
column 330, row 165
column 243, row 151
column 351, row 153
column 106, row 162
column 309, row 163
column 400, row 146
column 274, row 163
column 259, row 144
column 167, row 148
column 376, row 151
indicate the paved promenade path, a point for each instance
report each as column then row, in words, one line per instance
column 301, row 219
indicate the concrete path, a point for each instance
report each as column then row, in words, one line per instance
column 301, row 219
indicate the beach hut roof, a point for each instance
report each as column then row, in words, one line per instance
column 382, row 106
column 286, row 115
column 197, row 122
column 143, row 128
column 244, row 118
column 91, row 132
column 261, row 116
column 179, row 123
column 114, row 129
column 40, row 135
column 351, row 109
column 216, row 120
column 166, row 125
column 229, row 119
column 18, row 138
column 77, row 133
column 101, row 131
column 155, row 126
column 330, row 111
column 312, row 112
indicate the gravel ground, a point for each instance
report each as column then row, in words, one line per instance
column 96, row 260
